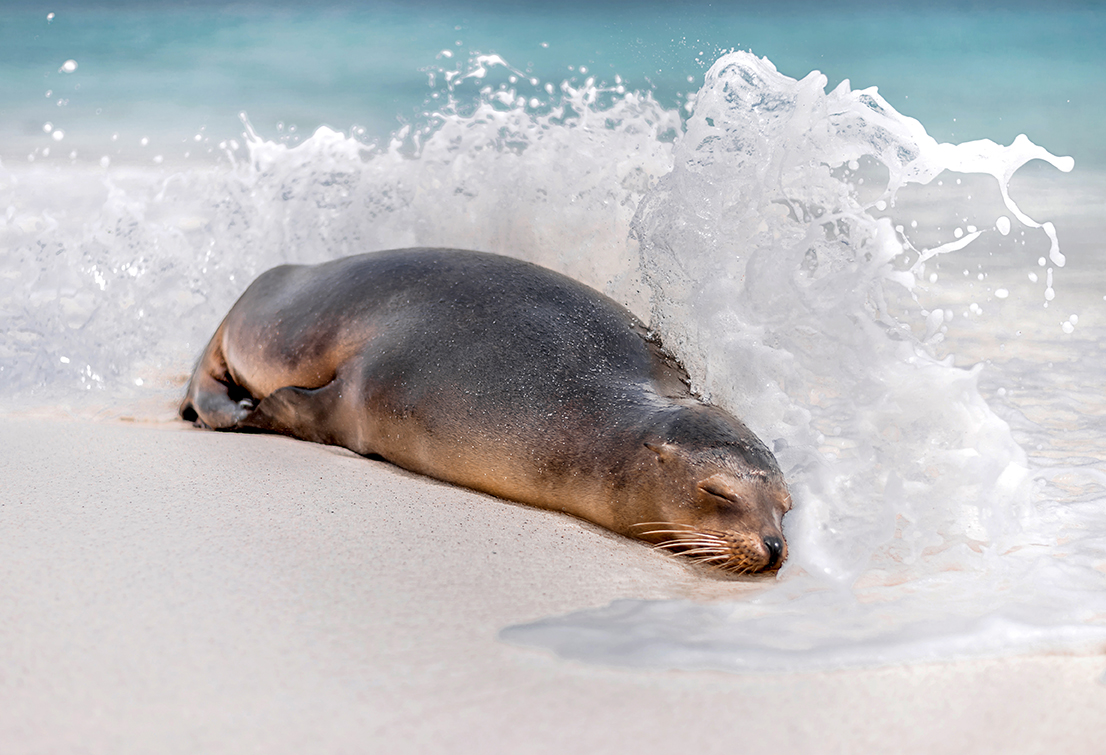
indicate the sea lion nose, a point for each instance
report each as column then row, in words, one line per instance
column 775, row 549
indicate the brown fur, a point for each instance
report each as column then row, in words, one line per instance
column 500, row 376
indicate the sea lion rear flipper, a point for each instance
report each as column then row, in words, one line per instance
column 309, row 414
column 215, row 403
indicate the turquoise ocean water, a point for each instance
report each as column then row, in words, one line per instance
column 164, row 70
column 897, row 291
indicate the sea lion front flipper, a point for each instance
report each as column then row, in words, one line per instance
column 309, row 414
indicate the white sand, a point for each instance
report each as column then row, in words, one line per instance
column 164, row 590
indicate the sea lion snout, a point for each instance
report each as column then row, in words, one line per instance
column 776, row 550
column 730, row 519
column 734, row 551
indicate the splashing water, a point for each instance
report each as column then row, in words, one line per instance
column 117, row 275
column 765, row 238
column 915, row 532
column 772, row 284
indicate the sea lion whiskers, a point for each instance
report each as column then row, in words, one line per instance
column 719, row 550
column 675, row 528
column 719, row 560
column 704, row 552
column 685, row 527
column 738, row 567
column 726, row 560
column 667, row 532
column 636, row 530
column 683, row 544
column 683, row 540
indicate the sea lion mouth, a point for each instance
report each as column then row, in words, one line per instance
column 731, row 552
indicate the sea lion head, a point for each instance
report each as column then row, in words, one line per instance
column 712, row 491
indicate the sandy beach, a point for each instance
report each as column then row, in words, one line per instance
column 817, row 208
column 165, row 589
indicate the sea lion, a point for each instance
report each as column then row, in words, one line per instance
column 501, row 376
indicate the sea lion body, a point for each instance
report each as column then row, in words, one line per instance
column 501, row 376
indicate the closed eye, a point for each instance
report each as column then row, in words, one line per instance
column 716, row 489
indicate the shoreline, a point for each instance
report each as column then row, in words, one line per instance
column 172, row 590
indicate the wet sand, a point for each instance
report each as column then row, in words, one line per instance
column 165, row 589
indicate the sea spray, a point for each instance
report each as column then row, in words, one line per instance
column 114, row 277
column 915, row 532
column 770, row 281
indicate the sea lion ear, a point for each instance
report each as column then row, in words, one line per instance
column 664, row 451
